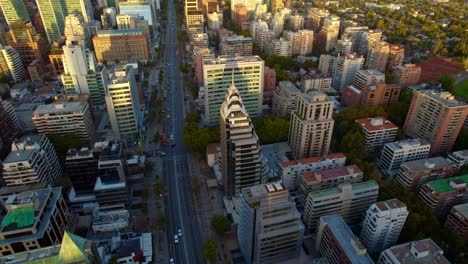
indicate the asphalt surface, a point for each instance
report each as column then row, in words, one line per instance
column 180, row 214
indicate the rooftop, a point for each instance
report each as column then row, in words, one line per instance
column 261, row 191
column 421, row 251
column 390, row 204
column 407, row 144
column 338, row 190
column 333, row 173
column 425, row 164
column 303, row 161
column 462, row 209
column 448, row 184
column 376, row 123
column 59, row 108
column 18, row 218
column 446, row 98
column 231, row 60
column 289, row 87
column 20, row 155
column 119, row 32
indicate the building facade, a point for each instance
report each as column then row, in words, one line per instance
column 421, row 251
column 377, row 131
column 285, row 99
column 346, row 69
column 457, row 221
column 316, row 82
column 236, row 45
column 126, row 45
column 407, row 74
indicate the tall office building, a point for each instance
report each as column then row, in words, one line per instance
column 29, row 44
column 112, row 46
column 311, row 126
column 53, row 18
column 32, row 159
column 248, row 76
column 11, row 65
column 436, row 117
column 270, row 228
column 14, row 10
column 346, row 69
column 76, row 32
column 241, row 163
column 80, row 7
column 56, row 57
column 382, row 225
column 377, row 56
column 123, row 105
column 337, row 243
column 406, row 75
column 65, row 118
column 81, row 167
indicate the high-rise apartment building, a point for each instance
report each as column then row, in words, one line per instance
column 279, row 47
column 346, row 69
column 285, row 99
column 11, row 65
column 263, row 37
column 218, row 73
column 377, row 56
column 442, row 194
column 27, row 42
column 377, row 131
column 347, row 199
column 344, row 47
column 123, row 105
column 337, row 243
column 257, row 25
column 11, row 128
column 413, row 174
column 366, row 78
column 406, row 75
column 436, row 117
column 328, row 35
column 194, row 21
column 14, row 10
column 296, row 22
column 32, row 220
column 53, row 18
column 315, row 82
column 315, row 19
column 240, row 15
column 396, row 56
column 302, row 42
column 65, row 118
column 270, row 228
column 367, row 39
column 241, row 162
column 457, row 221
column 112, row 46
column 355, row 35
column 327, row 64
column 382, row 225
column 421, row 251
column 311, row 126
column 236, row 45
column 269, row 85
column 396, row 153
column 32, row 159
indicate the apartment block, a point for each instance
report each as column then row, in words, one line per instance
column 32, row 220
column 346, row 69
column 125, row 45
column 194, row 21
column 421, row 251
column 316, row 82
column 11, row 128
column 382, row 225
column 396, row 153
column 32, row 159
column 367, row 39
column 344, row 47
column 279, row 47
column 355, row 35
column 347, row 199
column 407, row 74
column 396, row 56
column 289, row 171
column 269, row 85
column 311, row 126
column 11, row 65
column 285, row 99
column 457, row 221
column 65, row 118
column 327, row 64
column 296, row 22
column 441, row 195
column 302, row 42
column 325, row 179
column 459, row 158
column 236, row 45
column 240, row 15
column 377, row 56
column 337, row 243
column 413, row 174
column 199, row 40
column 366, row 78
column 315, row 19
column 270, row 228
column 377, row 131
column 240, row 149
column 379, row 94
column 327, row 38
column 436, row 117
column 218, row 74
column 263, row 37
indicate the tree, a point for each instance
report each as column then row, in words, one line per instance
column 219, row 224
column 447, row 81
column 193, row 117
column 211, row 250
column 149, row 165
column 158, row 186
column 462, row 140
column 271, row 129
column 157, row 137
column 113, row 260
column 196, row 138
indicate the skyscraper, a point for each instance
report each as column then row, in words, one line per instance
column 382, row 225
column 346, row 69
column 11, row 128
column 14, row 10
column 311, row 126
column 241, row 163
column 76, row 32
column 30, row 45
column 80, row 7
column 270, row 228
column 436, row 117
column 11, row 64
column 377, row 56
column 53, row 18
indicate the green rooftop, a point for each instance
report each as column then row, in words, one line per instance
column 443, row 185
column 336, row 190
column 18, row 218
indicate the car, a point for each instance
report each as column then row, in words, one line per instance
column 172, row 137
column 171, row 260
column 162, row 153
column 176, row 239
column 180, row 232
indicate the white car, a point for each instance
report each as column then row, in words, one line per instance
column 171, row 260
column 176, row 239
column 180, row 232
column 172, row 137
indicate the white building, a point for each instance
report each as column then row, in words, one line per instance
column 396, row 153
column 421, row 251
column 316, row 82
column 279, row 47
column 257, row 25
column 141, row 8
column 76, row 31
column 377, row 131
column 107, row 221
column 285, row 99
column 459, row 158
column 346, row 69
column 382, row 225
column 327, row 64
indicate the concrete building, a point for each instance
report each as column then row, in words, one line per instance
column 269, row 85
column 367, row 39
column 407, row 74
column 236, row 45
column 377, row 131
column 240, row 15
column 109, row 221
column 344, row 47
column 413, row 174
column 337, row 243
column 285, row 99
column 325, row 179
column 109, row 17
column 215, row 21
column 36, row 70
column 436, row 117
column 270, row 228
column 457, row 221
column 459, row 158
column 327, row 64
column 315, row 82
column 81, row 167
column 396, row 153
column 379, row 94
column 76, row 31
column 377, row 55
column 311, row 126
column 65, row 118
column 218, row 73
column 366, row 78
column 348, row 200
column 56, row 58
column 396, row 56
column 276, row 5
column 11, row 128
column 52, row 17
column 123, row 104
column 355, row 35
column 32, row 159
column 142, row 8
column 111, row 46
column 255, row 26
column 328, row 35
column 200, row 40
column 421, row 251
column 195, row 21
column 315, row 19
column 240, row 150
column 198, row 56
column 289, row 171
column 263, row 37
column 277, row 24
column 302, row 42
column 296, row 22
column 441, row 195
column 32, row 220
column 346, row 69
column 14, row 10
column 126, row 21
column 382, row 225
column 279, row 47
column 11, row 65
